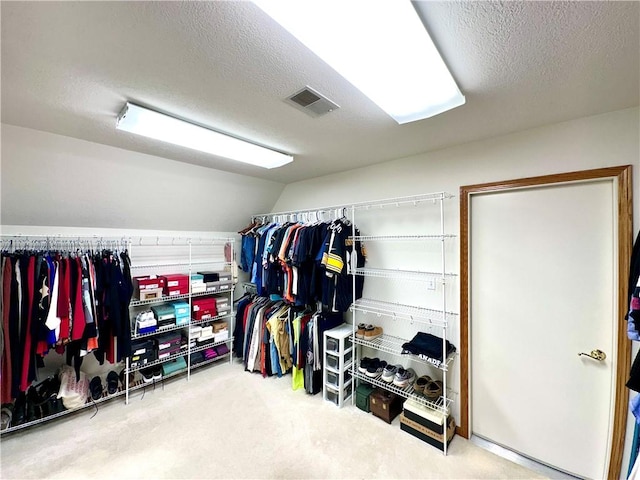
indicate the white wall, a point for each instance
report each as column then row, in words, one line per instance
column 604, row 140
column 52, row 180
column 609, row 139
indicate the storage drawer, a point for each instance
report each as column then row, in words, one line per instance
column 333, row 395
column 334, row 378
column 333, row 361
column 333, row 344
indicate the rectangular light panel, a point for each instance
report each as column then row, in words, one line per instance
column 380, row 46
column 142, row 121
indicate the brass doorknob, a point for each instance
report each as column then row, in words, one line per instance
column 595, row 354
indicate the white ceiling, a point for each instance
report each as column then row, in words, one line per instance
column 69, row 67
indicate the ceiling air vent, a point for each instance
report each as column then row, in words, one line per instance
column 312, row 102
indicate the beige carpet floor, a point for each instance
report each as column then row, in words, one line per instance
column 226, row 423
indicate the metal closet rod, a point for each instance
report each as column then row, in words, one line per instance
column 126, row 238
column 395, row 201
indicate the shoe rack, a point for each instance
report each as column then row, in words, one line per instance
column 437, row 320
column 161, row 256
column 149, row 255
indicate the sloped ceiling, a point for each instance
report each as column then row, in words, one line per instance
column 68, row 68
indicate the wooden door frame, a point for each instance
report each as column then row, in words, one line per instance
column 625, row 245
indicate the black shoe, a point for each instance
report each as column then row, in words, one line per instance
column 112, row 382
column 48, row 393
column 132, row 378
column 20, row 409
column 147, row 375
column 95, row 387
column 157, row 373
column 34, row 412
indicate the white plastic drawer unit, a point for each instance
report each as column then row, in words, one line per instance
column 333, row 395
column 333, row 361
column 333, row 379
column 333, row 345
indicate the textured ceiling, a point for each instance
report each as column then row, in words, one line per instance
column 68, row 68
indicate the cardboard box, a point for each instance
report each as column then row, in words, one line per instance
column 142, row 360
column 216, row 287
column 427, row 435
column 176, row 280
column 206, row 332
column 221, row 336
column 164, row 312
column 167, row 341
column 142, row 352
column 432, row 419
column 219, row 325
column 142, row 347
column 224, row 277
column 210, row 276
column 197, row 288
column 180, row 308
column 150, row 294
column 170, row 292
column 164, row 354
column 197, row 278
column 222, row 302
column 147, row 282
column 224, row 286
column 146, row 322
column 183, row 319
column 204, row 308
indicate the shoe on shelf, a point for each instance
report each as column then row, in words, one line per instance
column 360, row 330
column 433, row 390
column 404, row 377
column 6, row 415
column 157, row 372
column 376, row 367
column 389, row 372
column 132, row 378
column 95, row 387
column 113, row 381
column 147, row 375
column 20, row 409
column 364, row 364
column 371, row 332
column 420, row 383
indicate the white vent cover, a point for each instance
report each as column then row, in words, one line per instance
column 312, row 102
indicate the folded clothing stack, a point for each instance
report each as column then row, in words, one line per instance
column 428, row 347
column 209, row 353
column 196, row 358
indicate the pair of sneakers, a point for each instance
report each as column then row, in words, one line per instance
column 368, row 331
column 398, row 375
column 371, row 367
column 151, row 374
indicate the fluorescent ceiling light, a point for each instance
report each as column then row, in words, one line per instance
column 142, row 121
column 380, row 46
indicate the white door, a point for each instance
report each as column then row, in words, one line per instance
column 543, row 289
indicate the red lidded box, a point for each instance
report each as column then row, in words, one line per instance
column 204, row 308
column 176, row 284
column 148, row 282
